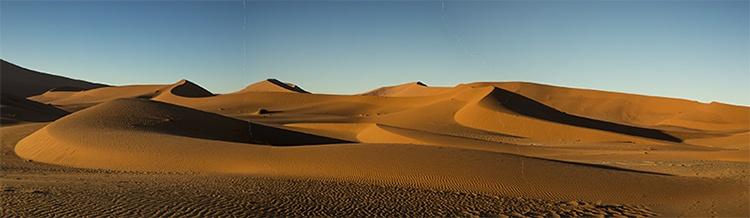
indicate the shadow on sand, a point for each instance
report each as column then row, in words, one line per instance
column 525, row 106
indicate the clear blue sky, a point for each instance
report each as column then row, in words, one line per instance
column 690, row 49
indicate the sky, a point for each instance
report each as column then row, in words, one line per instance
column 697, row 50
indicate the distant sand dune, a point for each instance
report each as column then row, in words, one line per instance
column 92, row 97
column 22, row 82
column 503, row 101
column 412, row 89
column 272, row 85
column 17, row 83
column 634, row 109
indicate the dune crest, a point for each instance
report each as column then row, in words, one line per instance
column 501, row 100
column 411, row 89
column 185, row 88
column 272, row 85
column 77, row 100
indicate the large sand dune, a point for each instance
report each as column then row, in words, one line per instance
column 545, row 143
column 18, row 83
column 22, row 82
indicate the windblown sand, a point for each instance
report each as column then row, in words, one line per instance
column 274, row 149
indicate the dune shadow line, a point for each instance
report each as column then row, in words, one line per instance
column 267, row 135
column 193, row 123
column 525, row 106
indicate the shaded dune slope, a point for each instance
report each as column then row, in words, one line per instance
column 18, row 83
column 77, row 100
column 182, row 90
column 186, row 88
column 22, row 82
column 658, row 117
column 15, row 109
column 477, row 112
column 640, row 110
column 141, row 115
column 503, row 100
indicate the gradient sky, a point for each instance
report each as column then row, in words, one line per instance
column 689, row 49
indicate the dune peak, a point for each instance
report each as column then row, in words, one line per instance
column 185, row 88
column 273, row 85
column 410, row 89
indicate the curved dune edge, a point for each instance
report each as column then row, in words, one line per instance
column 633, row 109
column 184, row 88
column 488, row 112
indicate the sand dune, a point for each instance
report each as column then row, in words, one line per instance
column 634, row 109
column 272, row 85
column 543, row 143
column 250, row 100
column 132, row 135
column 511, row 112
column 184, row 88
column 77, row 100
column 407, row 90
column 22, row 82
column 17, row 83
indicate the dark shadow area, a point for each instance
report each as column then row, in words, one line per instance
column 22, row 82
column 15, row 109
column 287, row 86
column 262, row 111
column 189, row 89
column 522, row 105
column 267, row 135
column 600, row 166
column 183, row 121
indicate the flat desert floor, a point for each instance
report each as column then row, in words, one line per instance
column 74, row 148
